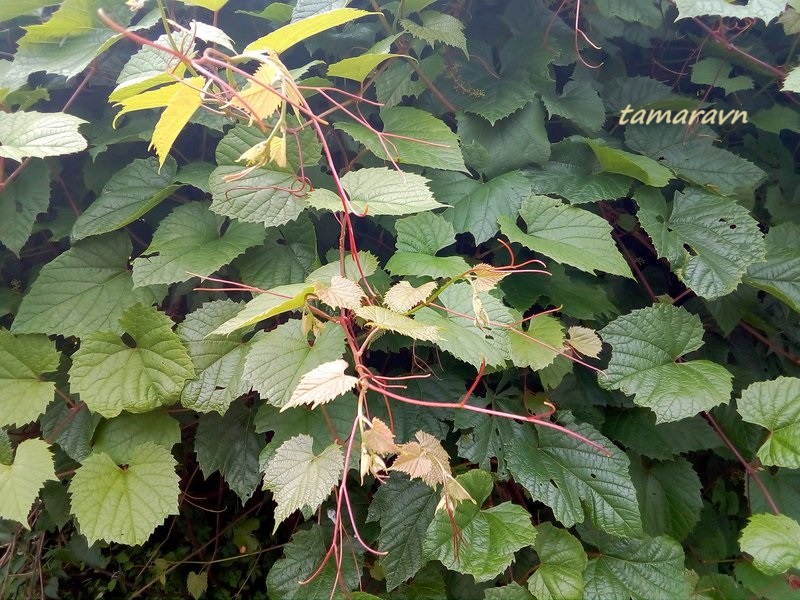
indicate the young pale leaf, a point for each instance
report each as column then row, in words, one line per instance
column 773, row 541
column 384, row 318
column 21, row 480
column 463, row 336
column 111, row 375
column 584, row 340
column 23, row 361
column 260, row 196
column 424, row 459
column 341, row 293
column 766, row 10
column 192, row 240
column 21, row 201
column 403, row 296
column 294, row 33
column 218, row 360
column 379, row 438
column 299, row 478
column 39, row 135
column 487, row 538
column 129, row 194
column 230, row 445
column 279, row 359
column 539, row 344
column 380, row 191
column 84, row 290
column 567, row 234
column 405, row 509
column 637, row 166
column 366, row 260
column 322, row 384
column 411, row 136
column 645, row 345
column 775, row 405
column 562, row 563
column 649, row 568
column 259, row 98
column 276, row 301
column 125, row 504
column 792, row 81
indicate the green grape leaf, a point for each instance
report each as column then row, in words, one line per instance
column 773, row 541
column 574, row 479
column 780, row 274
column 125, row 504
column 646, row 170
column 258, row 196
column 649, row 568
column 379, row 191
column 716, row 72
column 437, row 27
column 21, row 200
column 276, row 301
column 71, row 38
column 562, row 563
column 396, row 82
column 669, row 496
column 229, row 444
column 357, row 68
column 498, row 98
column 478, row 211
column 119, row 437
column 694, row 158
column 139, row 373
column 302, row 556
column 279, row 359
column 567, row 234
column 425, row 265
column 39, row 135
column 383, row 318
column 431, row 142
column 487, row 538
column 23, row 361
column 645, row 346
column 463, row 336
column 405, row 508
column 538, row 345
column 84, row 290
column 218, row 360
column 71, row 428
column 309, row 8
column 298, row 478
column 775, row 405
column 129, row 194
column 192, row 240
column 150, row 66
column 509, row 144
column 580, row 103
column 21, row 480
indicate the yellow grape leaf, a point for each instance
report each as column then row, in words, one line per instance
column 403, row 296
column 322, row 384
column 287, row 36
column 256, row 100
column 184, row 103
column 213, row 5
column 147, row 100
column 584, row 340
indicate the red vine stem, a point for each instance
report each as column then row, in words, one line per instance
column 751, row 471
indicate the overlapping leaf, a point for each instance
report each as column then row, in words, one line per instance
column 775, row 405
column 23, row 361
column 645, row 345
column 21, row 480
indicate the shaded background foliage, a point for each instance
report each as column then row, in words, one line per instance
column 678, row 244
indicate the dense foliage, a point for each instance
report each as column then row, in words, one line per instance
column 400, row 299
